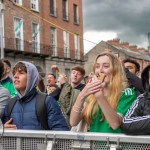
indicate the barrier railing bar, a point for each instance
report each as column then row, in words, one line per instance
column 76, row 136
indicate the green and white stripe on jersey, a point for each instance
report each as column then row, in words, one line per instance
column 128, row 91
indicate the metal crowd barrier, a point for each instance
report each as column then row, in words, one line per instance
column 67, row 140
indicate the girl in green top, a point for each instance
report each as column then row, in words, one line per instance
column 107, row 100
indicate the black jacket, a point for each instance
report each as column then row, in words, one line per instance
column 134, row 81
column 80, row 87
column 137, row 119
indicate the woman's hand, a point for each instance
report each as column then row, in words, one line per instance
column 99, row 93
column 93, row 86
column 8, row 125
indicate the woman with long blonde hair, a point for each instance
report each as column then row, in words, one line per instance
column 103, row 102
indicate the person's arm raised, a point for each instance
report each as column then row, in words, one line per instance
column 90, row 88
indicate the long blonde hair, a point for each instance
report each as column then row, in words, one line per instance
column 116, row 86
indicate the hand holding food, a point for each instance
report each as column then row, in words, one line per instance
column 101, row 76
column 55, row 67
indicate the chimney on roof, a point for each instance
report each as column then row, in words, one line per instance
column 114, row 41
column 146, row 51
column 125, row 44
column 141, row 50
column 133, row 47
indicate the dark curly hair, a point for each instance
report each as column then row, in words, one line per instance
column 137, row 65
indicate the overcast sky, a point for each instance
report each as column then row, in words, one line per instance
column 128, row 20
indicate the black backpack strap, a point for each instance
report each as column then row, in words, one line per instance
column 41, row 110
column 10, row 105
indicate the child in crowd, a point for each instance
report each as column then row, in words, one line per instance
column 24, row 113
column 51, row 88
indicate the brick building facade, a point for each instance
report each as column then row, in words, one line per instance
column 44, row 31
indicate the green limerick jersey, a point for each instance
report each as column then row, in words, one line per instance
column 126, row 99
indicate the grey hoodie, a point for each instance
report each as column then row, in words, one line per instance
column 32, row 77
column 4, row 98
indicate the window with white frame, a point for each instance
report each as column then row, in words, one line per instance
column 18, row 2
column 77, row 46
column 53, row 41
column 66, row 44
column 65, row 10
column 35, row 38
column 35, row 5
column 53, row 10
column 18, row 33
column 67, row 73
column 76, row 15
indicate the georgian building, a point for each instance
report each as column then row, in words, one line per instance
column 48, row 32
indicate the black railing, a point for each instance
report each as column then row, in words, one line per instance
column 35, row 47
column 66, row 52
column 77, row 55
column 17, row 46
column 53, row 49
column 13, row 45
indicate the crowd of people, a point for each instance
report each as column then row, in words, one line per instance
column 114, row 98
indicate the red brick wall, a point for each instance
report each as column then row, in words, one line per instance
column 67, row 25
column 44, row 11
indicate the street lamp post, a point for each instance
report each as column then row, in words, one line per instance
column 1, row 29
column 149, row 42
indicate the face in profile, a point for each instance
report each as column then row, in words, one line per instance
column 20, row 80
